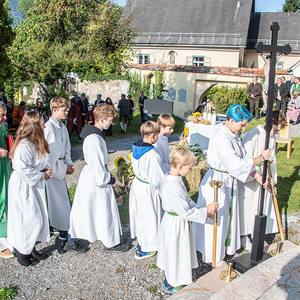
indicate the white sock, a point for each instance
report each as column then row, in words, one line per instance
column 121, row 124
column 125, row 125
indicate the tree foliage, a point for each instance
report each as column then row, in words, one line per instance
column 225, row 96
column 6, row 39
column 159, row 77
column 61, row 36
column 25, row 5
column 291, row 6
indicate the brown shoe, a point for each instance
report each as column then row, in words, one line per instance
column 6, row 254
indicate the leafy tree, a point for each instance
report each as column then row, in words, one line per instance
column 291, row 6
column 25, row 5
column 6, row 39
column 159, row 77
column 59, row 36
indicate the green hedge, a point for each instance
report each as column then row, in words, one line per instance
column 223, row 97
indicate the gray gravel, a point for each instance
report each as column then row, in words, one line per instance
column 115, row 149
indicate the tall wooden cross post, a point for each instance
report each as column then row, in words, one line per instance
column 245, row 262
column 260, row 219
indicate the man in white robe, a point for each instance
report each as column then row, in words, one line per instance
column 229, row 163
column 58, row 201
column 145, row 209
column 250, row 191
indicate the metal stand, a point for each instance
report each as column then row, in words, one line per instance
column 228, row 275
column 277, row 251
column 216, row 184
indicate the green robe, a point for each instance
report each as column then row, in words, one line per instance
column 5, row 169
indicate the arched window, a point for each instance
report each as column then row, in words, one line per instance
column 172, row 57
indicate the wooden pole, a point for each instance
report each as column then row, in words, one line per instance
column 215, row 229
column 276, row 204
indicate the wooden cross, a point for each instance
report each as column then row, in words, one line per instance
column 260, row 220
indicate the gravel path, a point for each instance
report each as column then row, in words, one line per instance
column 115, row 149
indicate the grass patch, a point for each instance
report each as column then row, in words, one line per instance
column 288, row 178
column 254, row 123
column 8, row 292
column 153, row 266
column 152, row 289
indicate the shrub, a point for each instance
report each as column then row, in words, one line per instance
column 225, row 96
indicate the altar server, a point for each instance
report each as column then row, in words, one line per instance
column 176, row 248
column 27, row 208
column 145, row 209
column 56, row 134
column 250, row 191
column 95, row 214
column 229, row 163
column 166, row 123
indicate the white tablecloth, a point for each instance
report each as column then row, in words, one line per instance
column 201, row 134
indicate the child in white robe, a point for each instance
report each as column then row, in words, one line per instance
column 27, row 220
column 166, row 123
column 176, row 248
column 95, row 215
column 145, row 209
column 229, row 163
column 57, row 135
column 250, row 191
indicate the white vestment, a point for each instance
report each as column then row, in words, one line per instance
column 176, row 249
column 27, row 220
column 250, row 191
column 95, row 215
column 145, row 209
column 162, row 148
column 58, row 200
column 226, row 154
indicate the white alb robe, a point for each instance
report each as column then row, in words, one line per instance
column 58, row 200
column 145, row 209
column 162, row 148
column 225, row 153
column 176, row 249
column 95, row 215
column 250, row 191
column 27, row 220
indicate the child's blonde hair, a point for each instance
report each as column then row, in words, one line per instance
column 104, row 111
column 148, row 128
column 183, row 156
column 58, row 102
column 166, row 120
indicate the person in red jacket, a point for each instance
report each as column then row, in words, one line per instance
column 74, row 121
column 18, row 114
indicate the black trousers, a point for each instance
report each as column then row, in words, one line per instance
column 142, row 115
column 74, row 128
column 282, row 105
column 256, row 102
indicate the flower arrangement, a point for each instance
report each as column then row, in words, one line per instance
column 197, row 118
column 125, row 172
